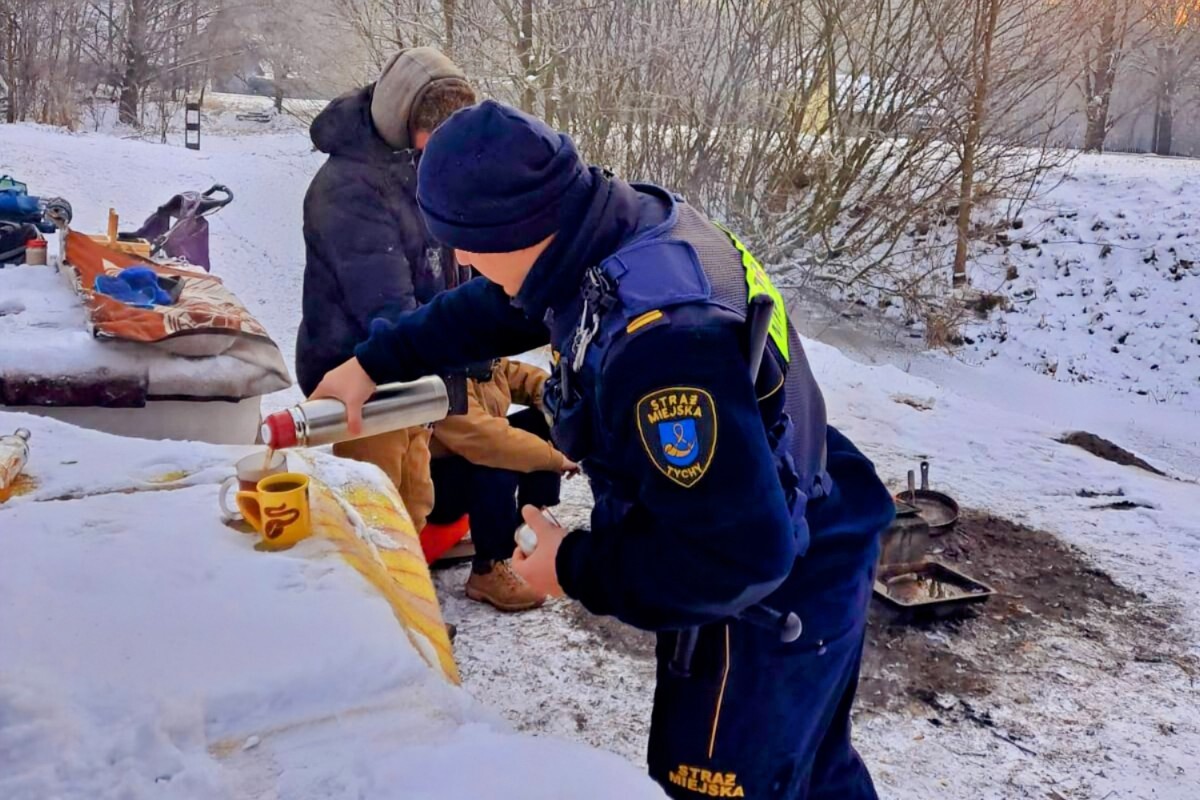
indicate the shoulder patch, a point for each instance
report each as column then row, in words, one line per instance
column 678, row 427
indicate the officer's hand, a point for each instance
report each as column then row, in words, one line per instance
column 350, row 384
column 569, row 468
column 538, row 569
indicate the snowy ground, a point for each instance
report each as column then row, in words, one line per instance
column 988, row 429
column 1068, row 695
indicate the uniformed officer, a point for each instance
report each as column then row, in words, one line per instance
column 723, row 503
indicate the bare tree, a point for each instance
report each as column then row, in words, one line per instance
column 1109, row 31
column 1001, row 118
column 821, row 128
column 136, row 58
column 826, row 131
column 448, row 14
column 40, row 58
column 1171, row 57
column 983, row 37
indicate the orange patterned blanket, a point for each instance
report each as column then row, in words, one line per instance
column 204, row 307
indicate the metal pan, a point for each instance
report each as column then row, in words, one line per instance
column 928, row 588
column 905, row 540
column 939, row 510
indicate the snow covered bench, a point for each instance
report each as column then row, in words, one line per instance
column 195, row 371
column 149, row 650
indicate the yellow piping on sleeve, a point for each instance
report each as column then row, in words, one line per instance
column 644, row 320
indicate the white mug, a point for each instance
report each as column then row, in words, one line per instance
column 249, row 471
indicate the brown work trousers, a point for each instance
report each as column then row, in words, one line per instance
column 404, row 456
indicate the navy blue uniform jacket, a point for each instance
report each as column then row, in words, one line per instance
column 658, row 556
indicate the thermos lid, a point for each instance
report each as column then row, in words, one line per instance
column 279, row 431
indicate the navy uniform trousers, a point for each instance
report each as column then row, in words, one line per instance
column 758, row 718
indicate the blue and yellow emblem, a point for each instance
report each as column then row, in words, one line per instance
column 678, row 427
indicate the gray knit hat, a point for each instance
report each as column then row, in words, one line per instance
column 404, row 80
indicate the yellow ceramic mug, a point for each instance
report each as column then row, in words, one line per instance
column 278, row 509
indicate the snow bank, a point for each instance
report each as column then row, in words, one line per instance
column 1100, row 278
column 1110, row 290
column 218, row 117
column 150, row 651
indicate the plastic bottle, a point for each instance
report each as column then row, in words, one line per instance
column 14, row 452
column 526, row 539
column 393, row 407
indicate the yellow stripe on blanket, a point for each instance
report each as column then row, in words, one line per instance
column 387, row 552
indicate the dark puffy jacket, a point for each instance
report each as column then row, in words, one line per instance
column 368, row 253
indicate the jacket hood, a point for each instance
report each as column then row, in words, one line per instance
column 344, row 127
column 404, row 79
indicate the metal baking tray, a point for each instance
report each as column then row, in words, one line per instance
column 928, row 587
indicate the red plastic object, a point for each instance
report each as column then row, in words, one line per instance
column 437, row 539
column 281, row 430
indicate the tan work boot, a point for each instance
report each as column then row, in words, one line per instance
column 504, row 589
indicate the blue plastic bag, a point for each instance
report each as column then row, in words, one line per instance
column 135, row 286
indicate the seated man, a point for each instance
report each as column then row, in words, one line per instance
column 490, row 465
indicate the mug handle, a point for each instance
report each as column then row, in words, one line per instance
column 227, row 513
column 247, row 503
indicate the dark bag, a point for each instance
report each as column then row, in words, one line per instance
column 13, row 236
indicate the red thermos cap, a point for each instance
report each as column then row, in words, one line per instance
column 279, row 431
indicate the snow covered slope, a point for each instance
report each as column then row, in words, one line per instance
column 1099, row 277
column 1108, row 285
column 149, row 651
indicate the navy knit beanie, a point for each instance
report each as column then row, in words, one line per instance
column 493, row 179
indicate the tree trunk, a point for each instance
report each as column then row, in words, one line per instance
column 193, row 43
column 832, row 103
column 10, row 60
column 1157, row 120
column 525, row 52
column 135, row 62
column 1166, row 121
column 1168, row 84
column 1103, row 75
column 550, row 94
column 565, row 100
column 449, row 11
column 982, row 66
column 398, row 31
column 1097, row 126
